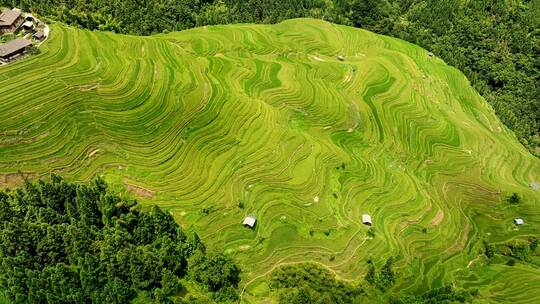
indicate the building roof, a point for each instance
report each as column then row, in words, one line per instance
column 519, row 221
column 28, row 24
column 535, row 186
column 366, row 219
column 250, row 220
column 8, row 17
column 13, row 46
column 39, row 34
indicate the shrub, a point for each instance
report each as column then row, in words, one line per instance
column 309, row 283
column 371, row 232
column 514, row 198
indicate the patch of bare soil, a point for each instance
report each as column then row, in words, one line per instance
column 11, row 180
column 93, row 153
column 138, row 190
column 438, row 218
column 89, row 87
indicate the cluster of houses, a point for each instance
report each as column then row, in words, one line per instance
column 14, row 22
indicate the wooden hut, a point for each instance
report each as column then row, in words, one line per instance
column 14, row 48
column 10, row 20
column 366, row 219
column 249, row 221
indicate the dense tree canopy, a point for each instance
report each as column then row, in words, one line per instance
column 496, row 43
column 62, row 242
column 309, row 283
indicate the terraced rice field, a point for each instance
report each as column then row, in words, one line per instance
column 267, row 116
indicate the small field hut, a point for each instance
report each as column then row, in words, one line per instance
column 366, row 219
column 519, row 221
column 249, row 221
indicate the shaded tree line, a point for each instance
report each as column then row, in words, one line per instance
column 62, row 242
column 383, row 279
column 524, row 250
column 311, row 284
column 496, row 43
column 443, row 295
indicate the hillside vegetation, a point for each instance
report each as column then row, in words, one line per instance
column 495, row 43
column 218, row 122
column 68, row 243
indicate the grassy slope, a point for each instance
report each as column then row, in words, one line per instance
column 267, row 115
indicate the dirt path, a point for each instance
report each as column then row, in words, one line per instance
column 46, row 32
column 474, row 260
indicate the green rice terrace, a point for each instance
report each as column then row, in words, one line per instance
column 304, row 124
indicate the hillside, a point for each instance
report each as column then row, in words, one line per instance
column 494, row 43
column 218, row 122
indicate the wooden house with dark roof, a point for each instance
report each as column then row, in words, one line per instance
column 13, row 49
column 10, row 20
column 39, row 35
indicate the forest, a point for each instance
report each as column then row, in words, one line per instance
column 495, row 43
column 62, row 242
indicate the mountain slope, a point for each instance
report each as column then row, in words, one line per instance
column 218, row 122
